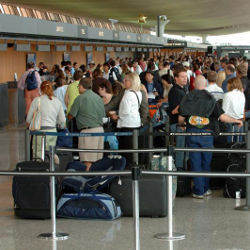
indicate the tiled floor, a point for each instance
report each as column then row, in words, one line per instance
column 208, row 224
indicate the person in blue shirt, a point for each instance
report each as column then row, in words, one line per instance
column 230, row 73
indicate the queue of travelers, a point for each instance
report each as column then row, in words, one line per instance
column 198, row 91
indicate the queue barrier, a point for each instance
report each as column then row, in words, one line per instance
column 135, row 173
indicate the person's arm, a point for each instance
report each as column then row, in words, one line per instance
column 32, row 109
column 74, row 108
column 181, row 121
column 227, row 119
column 176, row 110
column 61, row 117
column 66, row 98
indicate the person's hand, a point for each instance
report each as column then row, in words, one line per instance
column 158, row 105
column 239, row 123
column 156, row 93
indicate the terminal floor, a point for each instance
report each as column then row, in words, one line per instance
column 209, row 224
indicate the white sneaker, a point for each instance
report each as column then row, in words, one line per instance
column 197, row 196
column 208, row 193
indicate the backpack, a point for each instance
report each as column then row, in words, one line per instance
column 88, row 206
column 118, row 76
column 31, row 81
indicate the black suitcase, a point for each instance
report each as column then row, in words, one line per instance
column 31, row 193
column 152, row 192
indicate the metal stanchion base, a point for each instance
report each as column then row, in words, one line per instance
column 49, row 236
column 175, row 236
column 243, row 208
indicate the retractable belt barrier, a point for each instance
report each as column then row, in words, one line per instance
column 135, row 174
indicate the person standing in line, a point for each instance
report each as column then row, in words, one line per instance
column 198, row 112
column 30, row 82
column 176, row 93
column 88, row 109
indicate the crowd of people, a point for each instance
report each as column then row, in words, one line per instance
column 199, row 91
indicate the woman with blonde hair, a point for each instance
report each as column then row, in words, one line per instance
column 221, row 76
column 234, row 104
column 52, row 114
column 128, row 117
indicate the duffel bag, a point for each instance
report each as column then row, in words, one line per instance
column 88, row 206
column 92, row 183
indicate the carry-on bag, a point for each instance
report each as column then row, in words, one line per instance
column 152, row 193
column 31, row 193
column 88, row 206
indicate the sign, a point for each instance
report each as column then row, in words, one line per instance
column 59, row 28
column 89, row 57
column 88, row 48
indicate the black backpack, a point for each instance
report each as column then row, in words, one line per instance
column 31, row 81
column 118, row 76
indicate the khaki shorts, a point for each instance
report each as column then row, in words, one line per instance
column 91, row 142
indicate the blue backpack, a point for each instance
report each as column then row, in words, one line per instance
column 31, row 81
column 77, row 184
column 64, row 141
column 88, row 206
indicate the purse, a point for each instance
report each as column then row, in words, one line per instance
column 37, row 118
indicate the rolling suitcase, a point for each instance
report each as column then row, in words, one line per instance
column 31, row 193
column 152, row 193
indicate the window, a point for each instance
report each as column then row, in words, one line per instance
column 24, row 13
column 6, row 9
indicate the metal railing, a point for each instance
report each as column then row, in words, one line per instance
column 135, row 174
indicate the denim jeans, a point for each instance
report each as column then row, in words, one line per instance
column 200, row 161
column 180, row 143
column 234, row 128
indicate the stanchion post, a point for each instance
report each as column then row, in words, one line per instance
column 27, row 145
column 150, row 143
column 43, row 146
column 54, row 235
column 35, row 146
column 170, row 235
column 136, row 206
column 135, row 146
column 246, row 207
column 167, row 128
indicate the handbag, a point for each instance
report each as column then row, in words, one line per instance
column 37, row 118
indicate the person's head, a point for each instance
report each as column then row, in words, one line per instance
column 241, row 71
column 85, row 84
column 78, row 75
column 83, row 68
column 149, row 76
column 166, row 80
column 224, row 62
column 160, row 65
column 63, row 64
column 106, row 67
column 117, row 87
column 230, row 69
column 41, row 65
column 75, row 65
column 132, row 81
column 200, row 82
column 60, row 82
column 166, row 65
column 180, row 76
column 91, row 64
column 211, row 77
column 67, row 70
column 244, row 59
column 135, row 63
column 97, row 73
column 216, row 66
column 186, row 65
column 112, row 63
column 221, row 76
column 102, row 86
column 234, row 83
column 151, row 66
column 47, row 89
column 234, row 61
column 30, row 65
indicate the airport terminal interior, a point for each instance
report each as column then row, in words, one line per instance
column 97, row 67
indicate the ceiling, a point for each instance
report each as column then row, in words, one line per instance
column 187, row 17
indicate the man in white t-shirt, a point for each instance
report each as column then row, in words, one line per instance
column 213, row 88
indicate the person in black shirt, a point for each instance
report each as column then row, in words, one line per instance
column 198, row 112
column 177, row 92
